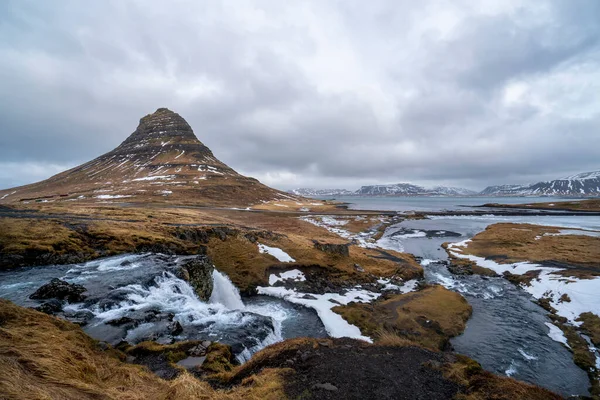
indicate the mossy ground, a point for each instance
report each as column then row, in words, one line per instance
column 509, row 243
column 428, row 317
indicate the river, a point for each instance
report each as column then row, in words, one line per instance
column 507, row 332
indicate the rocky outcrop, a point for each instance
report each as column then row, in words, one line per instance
column 198, row 273
column 331, row 248
column 51, row 307
column 61, row 290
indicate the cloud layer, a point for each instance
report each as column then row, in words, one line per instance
column 311, row 93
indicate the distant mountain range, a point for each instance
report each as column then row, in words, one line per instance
column 408, row 189
column 399, row 189
column 584, row 184
column 321, row 192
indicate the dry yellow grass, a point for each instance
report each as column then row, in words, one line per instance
column 114, row 230
column 483, row 385
column 509, row 243
column 42, row 357
column 429, row 317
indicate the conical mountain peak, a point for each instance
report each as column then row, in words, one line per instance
column 161, row 124
column 160, row 161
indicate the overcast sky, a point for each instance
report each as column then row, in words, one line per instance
column 310, row 93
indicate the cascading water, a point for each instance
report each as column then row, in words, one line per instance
column 139, row 297
column 225, row 293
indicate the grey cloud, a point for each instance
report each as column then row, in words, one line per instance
column 309, row 93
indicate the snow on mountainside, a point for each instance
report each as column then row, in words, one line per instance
column 408, row 189
column 583, row 176
column 584, row 184
column 453, row 191
column 320, row 192
column 161, row 161
column 504, row 190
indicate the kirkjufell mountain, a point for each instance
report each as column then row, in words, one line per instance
column 162, row 161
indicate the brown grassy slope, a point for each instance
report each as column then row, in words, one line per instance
column 591, row 326
column 509, row 243
column 429, row 317
column 86, row 232
column 43, row 357
column 483, row 385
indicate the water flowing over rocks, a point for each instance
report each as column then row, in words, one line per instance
column 61, row 290
column 199, row 274
column 135, row 298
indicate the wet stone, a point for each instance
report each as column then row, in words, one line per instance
column 191, row 362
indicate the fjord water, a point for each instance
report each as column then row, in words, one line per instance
column 507, row 332
column 144, row 288
column 432, row 203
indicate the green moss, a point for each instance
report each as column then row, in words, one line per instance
column 218, row 359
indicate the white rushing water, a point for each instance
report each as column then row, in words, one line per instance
column 225, row 293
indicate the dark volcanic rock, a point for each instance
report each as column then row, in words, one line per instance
column 51, row 307
column 338, row 249
column 350, row 369
column 198, row 273
column 59, row 289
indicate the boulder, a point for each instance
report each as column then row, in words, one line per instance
column 198, row 273
column 331, row 248
column 59, row 289
column 51, row 307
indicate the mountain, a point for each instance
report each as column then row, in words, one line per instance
column 453, row 191
column 584, row 184
column 308, row 192
column 408, row 189
column 504, row 190
column 161, row 161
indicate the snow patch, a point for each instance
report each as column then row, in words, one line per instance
column 153, row 178
column 275, row 252
column 113, row 196
column 584, row 293
column 335, row 325
column 556, row 334
column 294, row 274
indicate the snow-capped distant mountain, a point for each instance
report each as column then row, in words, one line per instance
column 584, row 184
column 408, row 189
column 504, row 190
column 308, row 192
column 583, row 176
column 453, row 191
column 399, row 189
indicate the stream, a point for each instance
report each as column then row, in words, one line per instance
column 137, row 297
column 507, row 333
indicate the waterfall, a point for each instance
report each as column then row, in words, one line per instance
column 225, row 293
